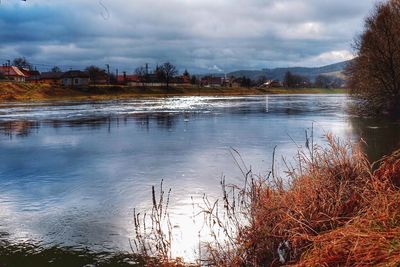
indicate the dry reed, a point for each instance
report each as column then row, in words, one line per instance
column 336, row 210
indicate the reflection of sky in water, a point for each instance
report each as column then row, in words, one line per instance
column 76, row 172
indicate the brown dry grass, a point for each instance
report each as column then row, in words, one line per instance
column 336, row 211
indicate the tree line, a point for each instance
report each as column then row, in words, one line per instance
column 292, row 80
column 167, row 72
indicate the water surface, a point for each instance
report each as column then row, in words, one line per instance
column 72, row 172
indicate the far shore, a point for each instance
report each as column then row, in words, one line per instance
column 31, row 92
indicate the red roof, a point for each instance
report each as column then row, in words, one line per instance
column 25, row 72
column 128, row 78
column 11, row 71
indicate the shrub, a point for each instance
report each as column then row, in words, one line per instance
column 335, row 212
column 335, row 209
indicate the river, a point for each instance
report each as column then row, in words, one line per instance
column 71, row 173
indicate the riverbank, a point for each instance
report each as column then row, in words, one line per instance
column 337, row 210
column 22, row 92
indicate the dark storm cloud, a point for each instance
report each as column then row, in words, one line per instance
column 200, row 35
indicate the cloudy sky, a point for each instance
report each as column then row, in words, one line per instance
column 200, row 35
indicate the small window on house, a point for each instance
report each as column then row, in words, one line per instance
column 76, row 81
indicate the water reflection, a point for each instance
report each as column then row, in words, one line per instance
column 71, row 173
column 382, row 136
column 164, row 111
column 20, row 119
column 24, row 128
column 18, row 128
column 26, row 254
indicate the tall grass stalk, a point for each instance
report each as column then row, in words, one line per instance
column 334, row 208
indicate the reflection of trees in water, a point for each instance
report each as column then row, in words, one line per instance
column 22, row 128
column 18, row 128
column 244, row 106
column 161, row 120
column 91, row 123
column 165, row 121
column 381, row 135
column 28, row 254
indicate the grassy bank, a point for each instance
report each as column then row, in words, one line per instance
column 39, row 92
column 337, row 209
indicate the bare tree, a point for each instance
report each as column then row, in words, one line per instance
column 141, row 72
column 375, row 72
column 22, row 62
column 55, row 69
column 295, row 81
column 186, row 73
column 168, row 72
column 245, row 82
column 323, row 81
column 193, row 80
column 95, row 74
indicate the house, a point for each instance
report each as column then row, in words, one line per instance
column 181, row 80
column 13, row 73
column 30, row 75
column 98, row 78
column 154, row 80
column 185, row 77
column 75, row 78
column 51, row 77
column 272, row 84
column 211, row 81
column 131, row 80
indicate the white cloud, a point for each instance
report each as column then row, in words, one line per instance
column 215, row 68
column 193, row 34
column 333, row 56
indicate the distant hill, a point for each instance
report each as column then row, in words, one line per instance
column 335, row 70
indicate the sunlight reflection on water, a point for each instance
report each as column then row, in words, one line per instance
column 71, row 172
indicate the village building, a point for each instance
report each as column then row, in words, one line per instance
column 13, row 73
column 181, row 80
column 212, row 81
column 75, row 78
column 131, row 80
column 98, row 78
column 53, row 78
column 272, row 84
column 31, row 75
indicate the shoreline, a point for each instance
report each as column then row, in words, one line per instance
column 25, row 92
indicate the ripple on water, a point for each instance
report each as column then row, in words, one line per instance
column 72, row 172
